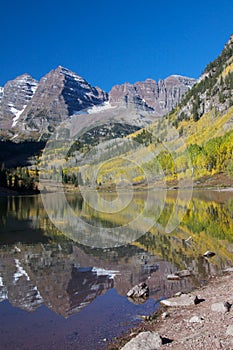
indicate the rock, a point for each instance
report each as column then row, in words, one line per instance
column 183, row 273
column 218, row 307
column 196, row 319
column 144, row 341
column 173, row 277
column 143, row 317
column 178, row 294
column 229, row 330
column 164, row 315
column 209, row 254
column 139, row 291
column 221, row 307
column 17, row 250
column 229, row 269
column 183, row 300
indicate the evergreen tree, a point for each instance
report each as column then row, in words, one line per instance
column 3, row 176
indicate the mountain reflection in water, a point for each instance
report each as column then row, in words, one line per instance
column 43, row 270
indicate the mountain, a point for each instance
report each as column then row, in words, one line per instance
column 60, row 94
column 30, row 110
column 198, row 129
column 14, row 98
column 159, row 97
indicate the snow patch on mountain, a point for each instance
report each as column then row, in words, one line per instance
column 17, row 114
column 100, row 108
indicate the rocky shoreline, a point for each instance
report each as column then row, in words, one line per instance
column 196, row 321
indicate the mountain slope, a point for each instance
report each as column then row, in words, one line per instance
column 214, row 89
column 195, row 139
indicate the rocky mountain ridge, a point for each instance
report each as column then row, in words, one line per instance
column 31, row 110
column 149, row 95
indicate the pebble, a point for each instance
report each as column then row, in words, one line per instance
column 164, row 315
column 196, row 319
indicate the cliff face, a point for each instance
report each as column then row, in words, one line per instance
column 149, row 95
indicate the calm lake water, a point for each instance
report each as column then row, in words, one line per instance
column 63, row 291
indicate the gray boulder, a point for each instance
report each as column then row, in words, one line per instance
column 221, row 307
column 144, row 341
column 183, row 300
column 183, row 273
column 141, row 290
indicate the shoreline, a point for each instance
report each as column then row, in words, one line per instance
column 4, row 192
column 207, row 324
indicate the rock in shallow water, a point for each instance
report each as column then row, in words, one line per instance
column 139, row 291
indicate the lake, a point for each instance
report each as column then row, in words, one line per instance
column 66, row 265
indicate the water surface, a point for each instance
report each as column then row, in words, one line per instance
column 57, row 292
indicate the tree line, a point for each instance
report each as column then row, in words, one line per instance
column 19, row 179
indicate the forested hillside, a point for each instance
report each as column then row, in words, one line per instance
column 195, row 139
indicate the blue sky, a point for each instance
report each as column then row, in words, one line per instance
column 110, row 42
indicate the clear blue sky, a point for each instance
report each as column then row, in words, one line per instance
column 110, row 42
